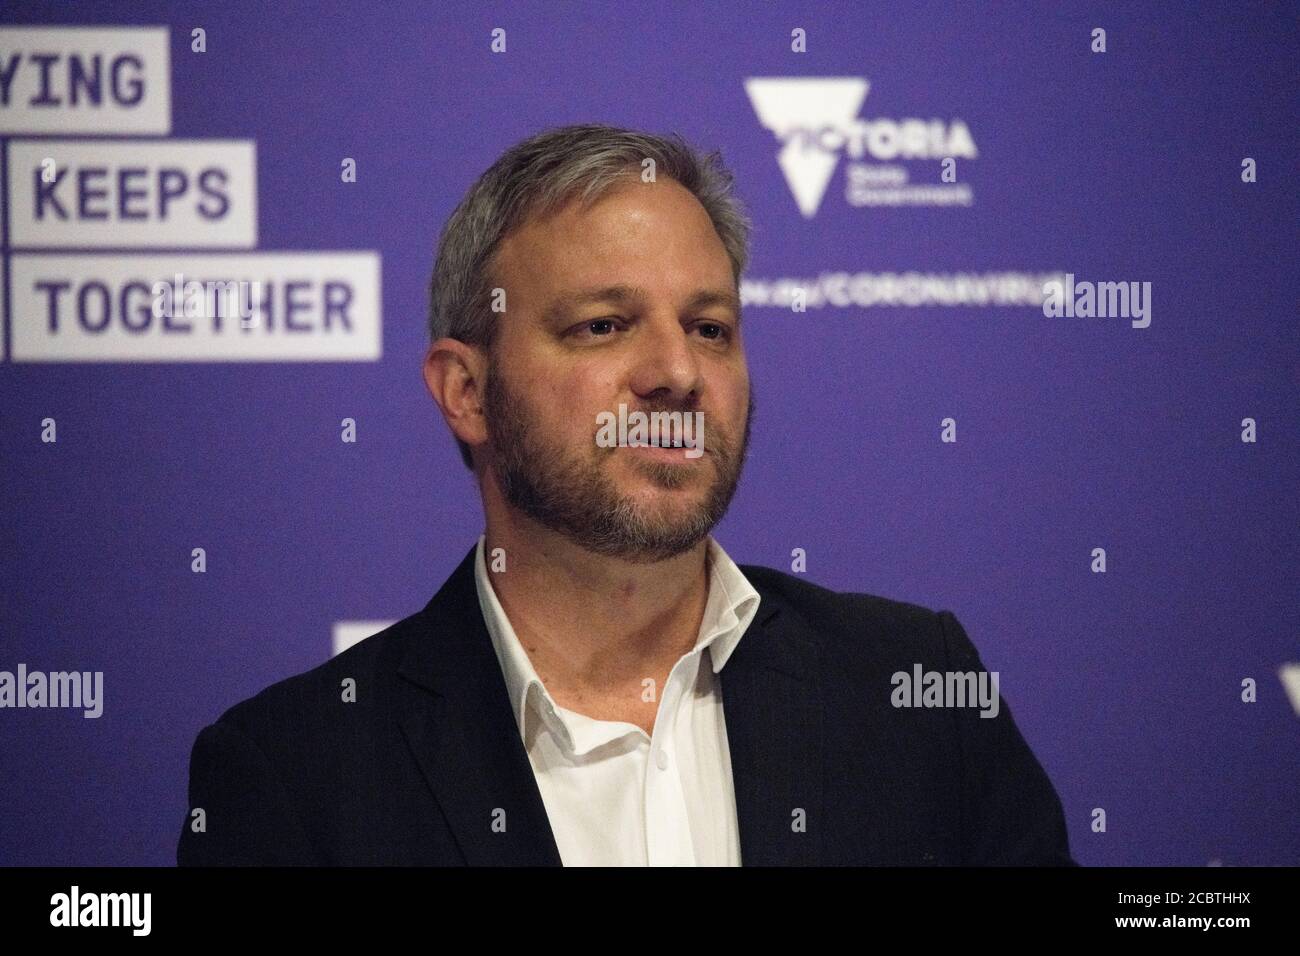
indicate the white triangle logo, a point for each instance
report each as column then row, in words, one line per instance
column 797, row 110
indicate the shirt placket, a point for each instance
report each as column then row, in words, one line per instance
column 667, row 819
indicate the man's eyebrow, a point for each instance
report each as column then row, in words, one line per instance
column 707, row 297
column 624, row 294
column 572, row 301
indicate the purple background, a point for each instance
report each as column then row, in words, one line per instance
column 1073, row 433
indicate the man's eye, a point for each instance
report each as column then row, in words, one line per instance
column 714, row 331
column 597, row 327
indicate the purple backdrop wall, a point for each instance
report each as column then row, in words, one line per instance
column 1073, row 433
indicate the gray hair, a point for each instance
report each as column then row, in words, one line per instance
column 537, row 177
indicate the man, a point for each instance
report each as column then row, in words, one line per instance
column 598, row 683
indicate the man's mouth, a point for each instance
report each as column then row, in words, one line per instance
column 659, row 444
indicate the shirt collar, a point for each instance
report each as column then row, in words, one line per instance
column 731, row 605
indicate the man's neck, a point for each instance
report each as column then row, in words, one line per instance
column 595, row 627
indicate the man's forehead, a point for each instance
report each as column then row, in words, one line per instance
column 581, row 266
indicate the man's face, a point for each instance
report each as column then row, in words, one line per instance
column 630, row 301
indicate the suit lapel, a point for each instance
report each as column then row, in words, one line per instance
column 774, row 715
column 455, row 713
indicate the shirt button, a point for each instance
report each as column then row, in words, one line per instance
column 661, row 760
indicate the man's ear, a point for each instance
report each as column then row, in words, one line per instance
column 454, row 373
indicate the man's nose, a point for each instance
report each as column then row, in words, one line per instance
column 665, row 362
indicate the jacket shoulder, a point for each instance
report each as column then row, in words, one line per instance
column 371, row 663
column 851, row 613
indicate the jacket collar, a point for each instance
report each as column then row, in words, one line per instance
column 456, row 714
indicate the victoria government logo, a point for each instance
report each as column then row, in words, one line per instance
column 815, row 121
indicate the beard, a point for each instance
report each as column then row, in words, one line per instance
column 569, row 491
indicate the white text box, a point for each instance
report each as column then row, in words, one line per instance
column 304, row 306
column 85, row 80
column 141, row 194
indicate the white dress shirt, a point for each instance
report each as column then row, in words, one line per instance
column 615, row 796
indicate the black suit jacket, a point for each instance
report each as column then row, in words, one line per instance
column 415, row 771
